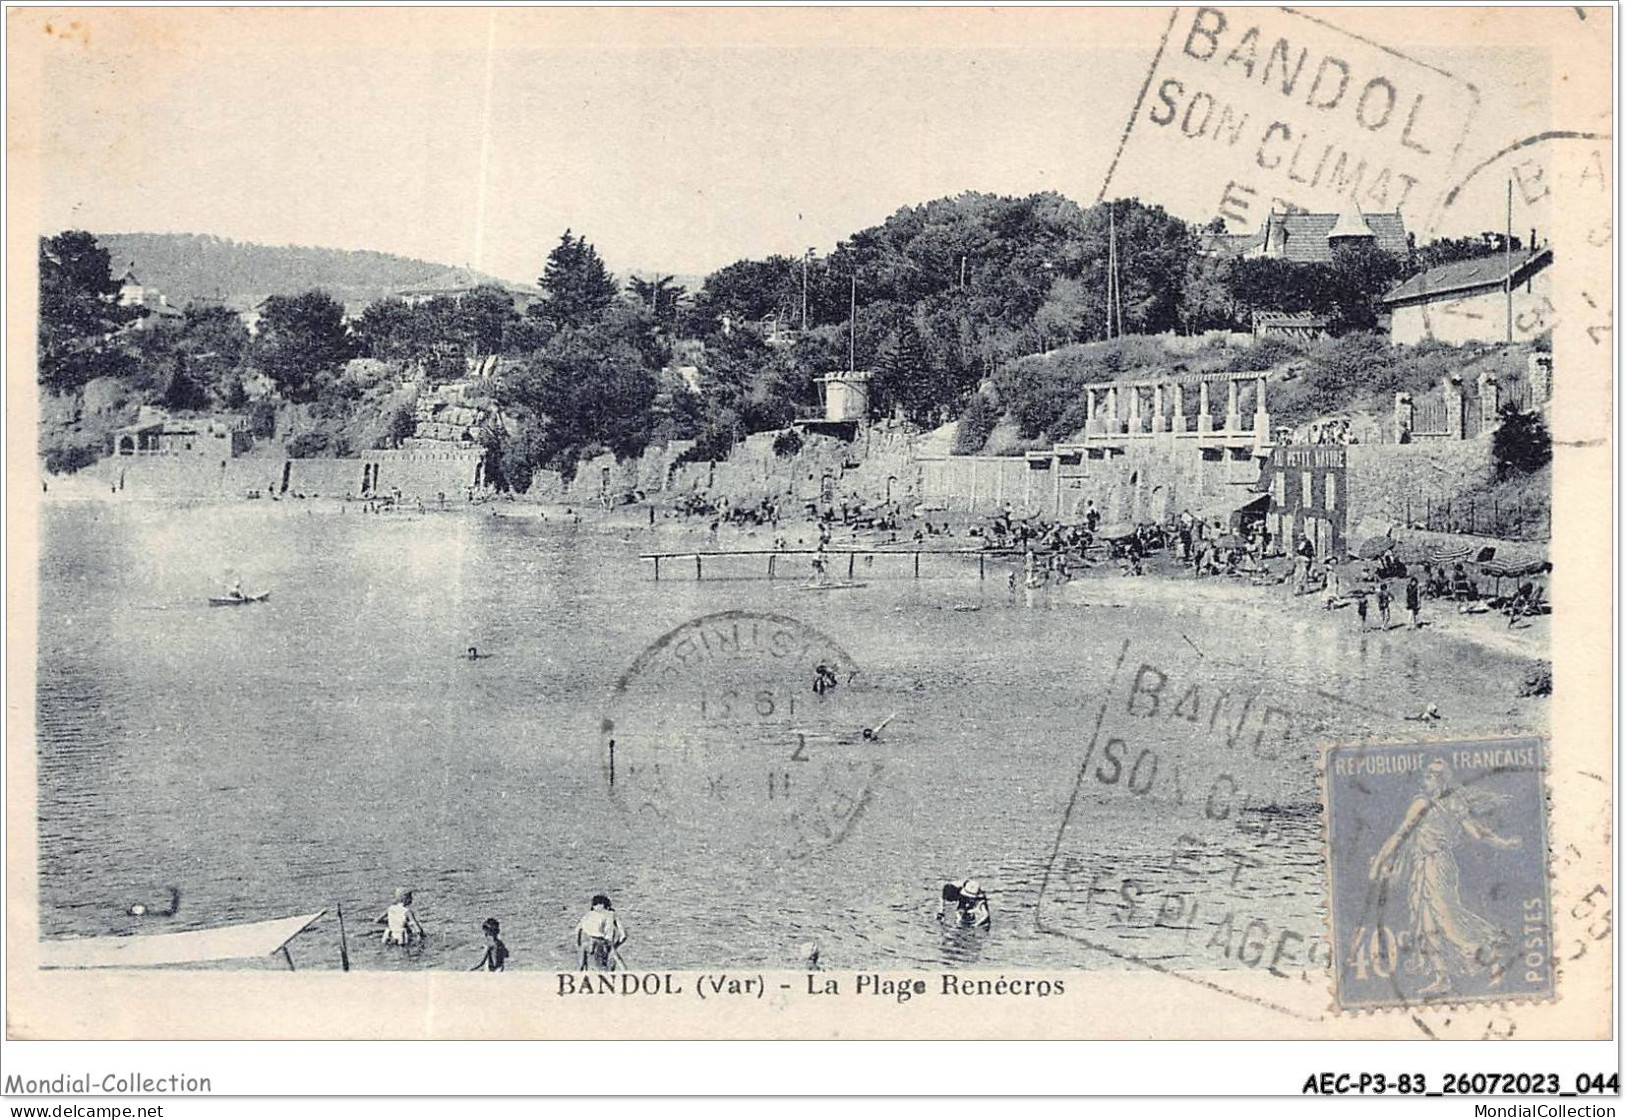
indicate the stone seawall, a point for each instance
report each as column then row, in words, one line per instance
column 879, row 465
column 415, row 473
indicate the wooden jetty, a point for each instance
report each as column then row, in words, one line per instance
column 699, row 557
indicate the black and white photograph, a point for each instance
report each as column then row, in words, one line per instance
column 811, row 523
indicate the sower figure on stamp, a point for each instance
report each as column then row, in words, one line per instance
column 1447, row 936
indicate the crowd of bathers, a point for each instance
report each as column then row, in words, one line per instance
column 599, row 935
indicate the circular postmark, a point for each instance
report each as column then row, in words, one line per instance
column 744, row 731
column 1555, row 191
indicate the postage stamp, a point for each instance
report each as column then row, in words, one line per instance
column 742, row 727
column 1116, row 516
column 1438, row 875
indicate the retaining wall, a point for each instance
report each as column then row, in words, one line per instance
column 415, row 473
column 1396, row 481
column 1147, row 480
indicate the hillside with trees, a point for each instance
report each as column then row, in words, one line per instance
column 189, row 267
column 951, row 296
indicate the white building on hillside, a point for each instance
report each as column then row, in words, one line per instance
column 1467, row 301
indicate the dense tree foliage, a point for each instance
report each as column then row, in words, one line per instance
column 949, row 296
column 579, row 289
column 303, row 340
column 1448, row 250
column 588, row 389
column 661, row 297
column 1522, row 443
column 78, row 312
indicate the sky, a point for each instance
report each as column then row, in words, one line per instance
column 673, row 141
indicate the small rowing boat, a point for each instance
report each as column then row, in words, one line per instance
column 198, row 946
column 237, row 600
column 833, row 585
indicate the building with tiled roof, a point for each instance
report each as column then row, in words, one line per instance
column 1466, row 301
column 1305, row 238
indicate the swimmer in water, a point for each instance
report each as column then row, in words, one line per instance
column 496, row 953
column 872, row 734
column 1426, row 715
column 400, row 921
column 824, row 679
column 970, row 909
column 139, row 910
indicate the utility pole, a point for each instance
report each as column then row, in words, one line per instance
column 1114, row 292
column 1508, row 246
column 852, row 335
column 805, row 258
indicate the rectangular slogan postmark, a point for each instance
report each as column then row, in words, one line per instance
column 1438, row 883
column 1284, row 111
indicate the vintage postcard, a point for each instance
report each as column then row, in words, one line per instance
column 805, row 523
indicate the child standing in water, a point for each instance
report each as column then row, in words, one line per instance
column 496, row 953
column 400, row 921
column 600, row 936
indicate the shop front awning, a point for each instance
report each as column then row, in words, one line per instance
column 1222, row 509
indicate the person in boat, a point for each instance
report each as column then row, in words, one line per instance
column 234, row 589
column 599, row 936
column 965, row 904
column 496, row 953
column 400, row 921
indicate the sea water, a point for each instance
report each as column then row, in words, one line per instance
column 334, row 743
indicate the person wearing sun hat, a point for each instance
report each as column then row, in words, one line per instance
column 970, row 904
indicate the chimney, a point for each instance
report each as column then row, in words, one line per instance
column 1532, row 242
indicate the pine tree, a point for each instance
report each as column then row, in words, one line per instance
column 579, row 289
